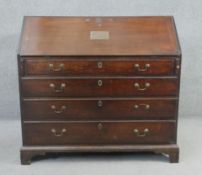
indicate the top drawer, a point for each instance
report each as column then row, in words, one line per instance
column 75, row 66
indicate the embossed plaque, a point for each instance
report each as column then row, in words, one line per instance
column 99, row 35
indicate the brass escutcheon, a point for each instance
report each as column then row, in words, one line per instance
column 100, row 126
column 100, row 103
column 99, row 65
column 99, row 83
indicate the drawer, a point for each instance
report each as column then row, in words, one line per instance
column 84, row 66
column 99, row 133
column 94, row 87
column 102, row 109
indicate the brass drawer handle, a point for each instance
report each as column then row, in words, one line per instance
column 58, row 134
column 146, row 67
column 146, row 106
column 58, row 111
column 137, row 85
column 60, row 67
column 99, row 83
column 139, row 134
column 99, row 65
column 100, row 103
column 60, row 89
column 100, row 126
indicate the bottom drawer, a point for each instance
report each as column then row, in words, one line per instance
column 99, row 133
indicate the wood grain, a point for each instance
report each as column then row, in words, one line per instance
column 99, row 109
column 99, row 66
column 128, row 36
column 114, row 87
column 91, row 133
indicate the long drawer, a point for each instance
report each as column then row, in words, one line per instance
column 99, row 133
column 58, row 66
column 99, row 87
column 99, row 109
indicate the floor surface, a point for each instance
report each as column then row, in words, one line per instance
column 189, row 140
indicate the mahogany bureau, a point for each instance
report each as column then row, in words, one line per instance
column 99, row 84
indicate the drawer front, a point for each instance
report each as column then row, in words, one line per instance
column 84, row 67
column 102, row 109
column 99, row 133
column 100, row 87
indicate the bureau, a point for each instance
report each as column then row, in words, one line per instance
column 99, row 84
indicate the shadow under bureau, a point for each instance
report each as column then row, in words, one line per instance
column 99, row 84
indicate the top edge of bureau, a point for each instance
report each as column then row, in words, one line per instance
column 70, row 36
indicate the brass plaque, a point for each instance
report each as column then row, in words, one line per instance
column 99, row 35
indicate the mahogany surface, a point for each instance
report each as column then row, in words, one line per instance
column 116, row 92
column 101, row 108
column 88, row 87
column 109, row 66
column 70, row 36
column 90, row 133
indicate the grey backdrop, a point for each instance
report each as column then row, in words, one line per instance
column 188, row 18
